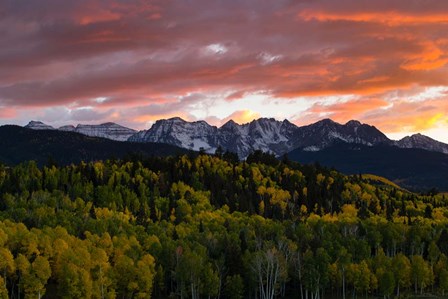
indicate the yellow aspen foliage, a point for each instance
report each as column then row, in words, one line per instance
column 3, row 290
column 3, row 237
column 349, row 213
column 173, row 215
column 320, row 178
column 261, row 208
column 7, row 265
column 303, row 210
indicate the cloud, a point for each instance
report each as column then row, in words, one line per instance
column 236, row 95
column 89, row 114
column 346, row 110
column 403, row 116
column 147, row 57
column 7, row 113
column 241, row 117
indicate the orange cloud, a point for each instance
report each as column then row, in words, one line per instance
column 241, row 117
column 144, row 55
column 142, row 119
column 390, row 18
column 430, row 58
column 403, row 116
column 342, row 111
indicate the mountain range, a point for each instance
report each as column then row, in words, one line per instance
column 108, row 130
column 266, row 134
column 18, row 144
column 415, row 162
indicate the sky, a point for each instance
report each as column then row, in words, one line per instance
column 382, row 62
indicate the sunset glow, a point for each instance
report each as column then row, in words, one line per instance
column 132, row 62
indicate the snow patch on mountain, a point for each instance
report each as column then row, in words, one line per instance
column 191, row 135
column 266, row 134
column 311, row 149
column 38, row 125
column 107, row 130
column 422, row 142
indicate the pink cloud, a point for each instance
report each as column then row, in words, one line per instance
column 143, row 56
column 7, row 113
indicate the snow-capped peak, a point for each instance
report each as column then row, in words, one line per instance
column 266, row 134
column 107, row 130
column 38, row 125
column 192, row 135
column 422, row 142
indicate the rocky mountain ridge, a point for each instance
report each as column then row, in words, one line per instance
column 266, row 134
column 108, row 130
column 422, row 142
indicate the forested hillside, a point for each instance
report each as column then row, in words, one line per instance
column 214, row 227
column 19, row 144
column 415, row 169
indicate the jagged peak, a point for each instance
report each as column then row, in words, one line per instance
column 326, row 121
column 175, row 119
column 35, row 124
column 178, row 120
column 266, row 119
column 419, row 137
column 230, row 122
column 203, row 122
column 287, row 123
column 414, row 136
column 231, row 125
column 354, row 123
column 170, row 121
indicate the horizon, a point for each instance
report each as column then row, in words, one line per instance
column 130, row 62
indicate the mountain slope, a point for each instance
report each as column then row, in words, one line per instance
column 18, row 144
column 422, row 142
column 266, row 134
column 325, row 133
column 38, row 125
column 414, row 169
column 176, row 131
column 108, row 130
